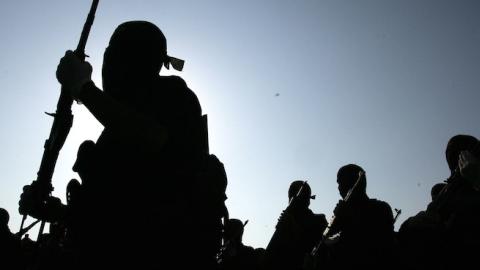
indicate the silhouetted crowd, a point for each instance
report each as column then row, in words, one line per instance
column 152, row 196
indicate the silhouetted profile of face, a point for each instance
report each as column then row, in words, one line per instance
column 135, row 54
column 304, row 199
column 73, row 188
column 347, row 176
column 84, row 163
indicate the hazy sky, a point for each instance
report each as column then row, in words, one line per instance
column 293, row 90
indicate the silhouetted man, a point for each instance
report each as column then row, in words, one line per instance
column 458, row 206
column 148, row 152
column 9, row 244
column 448, row 229
column 234, row 254
column 138, row 176
column 365, row 225
column 297, row 231
column 421, row 239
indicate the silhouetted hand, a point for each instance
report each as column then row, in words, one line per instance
column 73, row 73
column 32, row 203
column 343, row 213
column 29, row 201
column 470, row 168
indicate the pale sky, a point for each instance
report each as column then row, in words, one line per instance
column 381, row 83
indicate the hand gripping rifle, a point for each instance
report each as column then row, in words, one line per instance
column 62, row 122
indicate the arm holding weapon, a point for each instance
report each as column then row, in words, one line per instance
column 36, row 199
column 342, row 209
column 285, row 219
column 341, row 213
column 285, row 231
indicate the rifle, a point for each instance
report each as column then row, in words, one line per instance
column 62, row 123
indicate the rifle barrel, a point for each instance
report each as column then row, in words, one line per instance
column 86, row 30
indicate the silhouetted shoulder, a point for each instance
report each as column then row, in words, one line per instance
column 179, row 91
column 248, row 249
column 381, row 211
column 320, row 220
column 381, row 206
column 175, row 81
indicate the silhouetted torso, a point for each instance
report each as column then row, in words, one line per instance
column 302, row 232
column 127, row 168
column 10, row 252
column 366, row 238
column 461, row 218
column 133, row 191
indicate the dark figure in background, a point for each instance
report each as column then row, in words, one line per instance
column 449, row 228
column 140, row 175
column 457, row 207
column 299, row 230
column 76, row 218
column 365, row 226
column 420, row 241
column 10, row 252
column 29, row 252
column 51, row 254
column 235, row 255
column 420, row 238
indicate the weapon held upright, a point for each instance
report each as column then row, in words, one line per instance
column 62, row 123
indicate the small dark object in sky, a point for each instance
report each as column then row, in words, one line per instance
column 277, row 94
